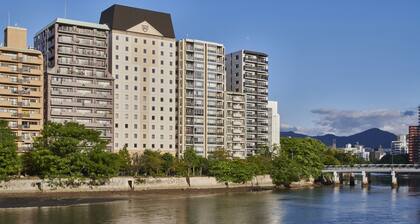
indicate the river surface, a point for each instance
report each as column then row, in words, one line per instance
column 345, row 204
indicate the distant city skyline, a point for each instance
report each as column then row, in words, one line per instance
column 335, row 67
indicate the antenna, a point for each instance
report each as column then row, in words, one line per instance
column 8, row 18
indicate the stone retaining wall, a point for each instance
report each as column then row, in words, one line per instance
column 34, row 185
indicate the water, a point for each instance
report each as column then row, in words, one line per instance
column 378, row 204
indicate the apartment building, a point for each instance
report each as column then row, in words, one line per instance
column 200, row 96
column 21, row 86
column 414, row 144
column 78, row 85
column 247, row 72
column 235, row 128
column 273, row 124
column 142, row 61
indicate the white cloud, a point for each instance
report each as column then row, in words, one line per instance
column 347, row 122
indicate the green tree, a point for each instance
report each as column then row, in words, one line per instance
column 71, row 150
column 10, row 163
column 168, row 165
column 236, row 171
column 306, row 152
column 151, row 163
column 285, row 170
column 191, row 159
column 125, row 161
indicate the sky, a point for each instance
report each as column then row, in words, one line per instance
column 335, row 66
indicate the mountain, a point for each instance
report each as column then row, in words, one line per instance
column 372, row 138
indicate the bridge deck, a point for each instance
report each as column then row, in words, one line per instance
column 374, row 168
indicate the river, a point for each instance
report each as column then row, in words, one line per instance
column 377, row 204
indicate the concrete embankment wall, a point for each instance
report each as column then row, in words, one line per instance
column 34, row 185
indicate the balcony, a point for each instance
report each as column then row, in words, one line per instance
column 8, row 114
column 27, row 115
column 31, row 127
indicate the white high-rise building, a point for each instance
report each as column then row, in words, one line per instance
column 400, row 146
column 200, row 96
column 142, row 62
column 273, row 123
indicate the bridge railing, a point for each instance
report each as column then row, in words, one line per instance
column 330, row 167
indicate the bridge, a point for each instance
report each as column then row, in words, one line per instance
column 366, row 169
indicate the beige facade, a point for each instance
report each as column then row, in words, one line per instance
column 79, row 87
column 247, row 72
column 201, row 87
column 142, row 60
column 235, row 124
column 21, row 87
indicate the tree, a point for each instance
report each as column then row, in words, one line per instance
column 219, row 154
column 191, row 159
column 306, row 152
column 299, row 158
column 285, row 170
column 10, row 163
column 168, row 165
column 236, row 171
column 125, row 161
column 150, row 163
column 71, row 150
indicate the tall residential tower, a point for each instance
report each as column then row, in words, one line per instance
column 200, row 96
column 21, row 87
column 142, row 61
column 247, row 72
column 78, row 86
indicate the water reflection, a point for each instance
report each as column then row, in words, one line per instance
column 344, row 204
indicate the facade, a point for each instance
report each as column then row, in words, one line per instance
column 273, row 123
column 400, row 146
column 21, row 86
column 78, row 86
column 358, row 150
column 414, row 144
column 200, row 96
column 235, row 127
column 247, row 72
column 142, row 61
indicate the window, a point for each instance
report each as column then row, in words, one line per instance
column 117, row 37
column 126, row 48
column 126, row 77
column 135, row 144
column 126, row 39
column 135, row 40
column 116, row 125
column 126, row 125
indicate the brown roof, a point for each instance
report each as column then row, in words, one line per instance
column 120, row 17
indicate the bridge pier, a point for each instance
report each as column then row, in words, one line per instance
column 394, row 181
column 352, row 180
column 336, row 178
column 365, row 179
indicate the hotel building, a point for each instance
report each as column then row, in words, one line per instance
column 78, row 86
column 200, row 96
column 21, row 86
column 247, row 72
column 142, row 62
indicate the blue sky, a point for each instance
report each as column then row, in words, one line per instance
column 335, row 66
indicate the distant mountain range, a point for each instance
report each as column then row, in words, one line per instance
column 373, row 138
